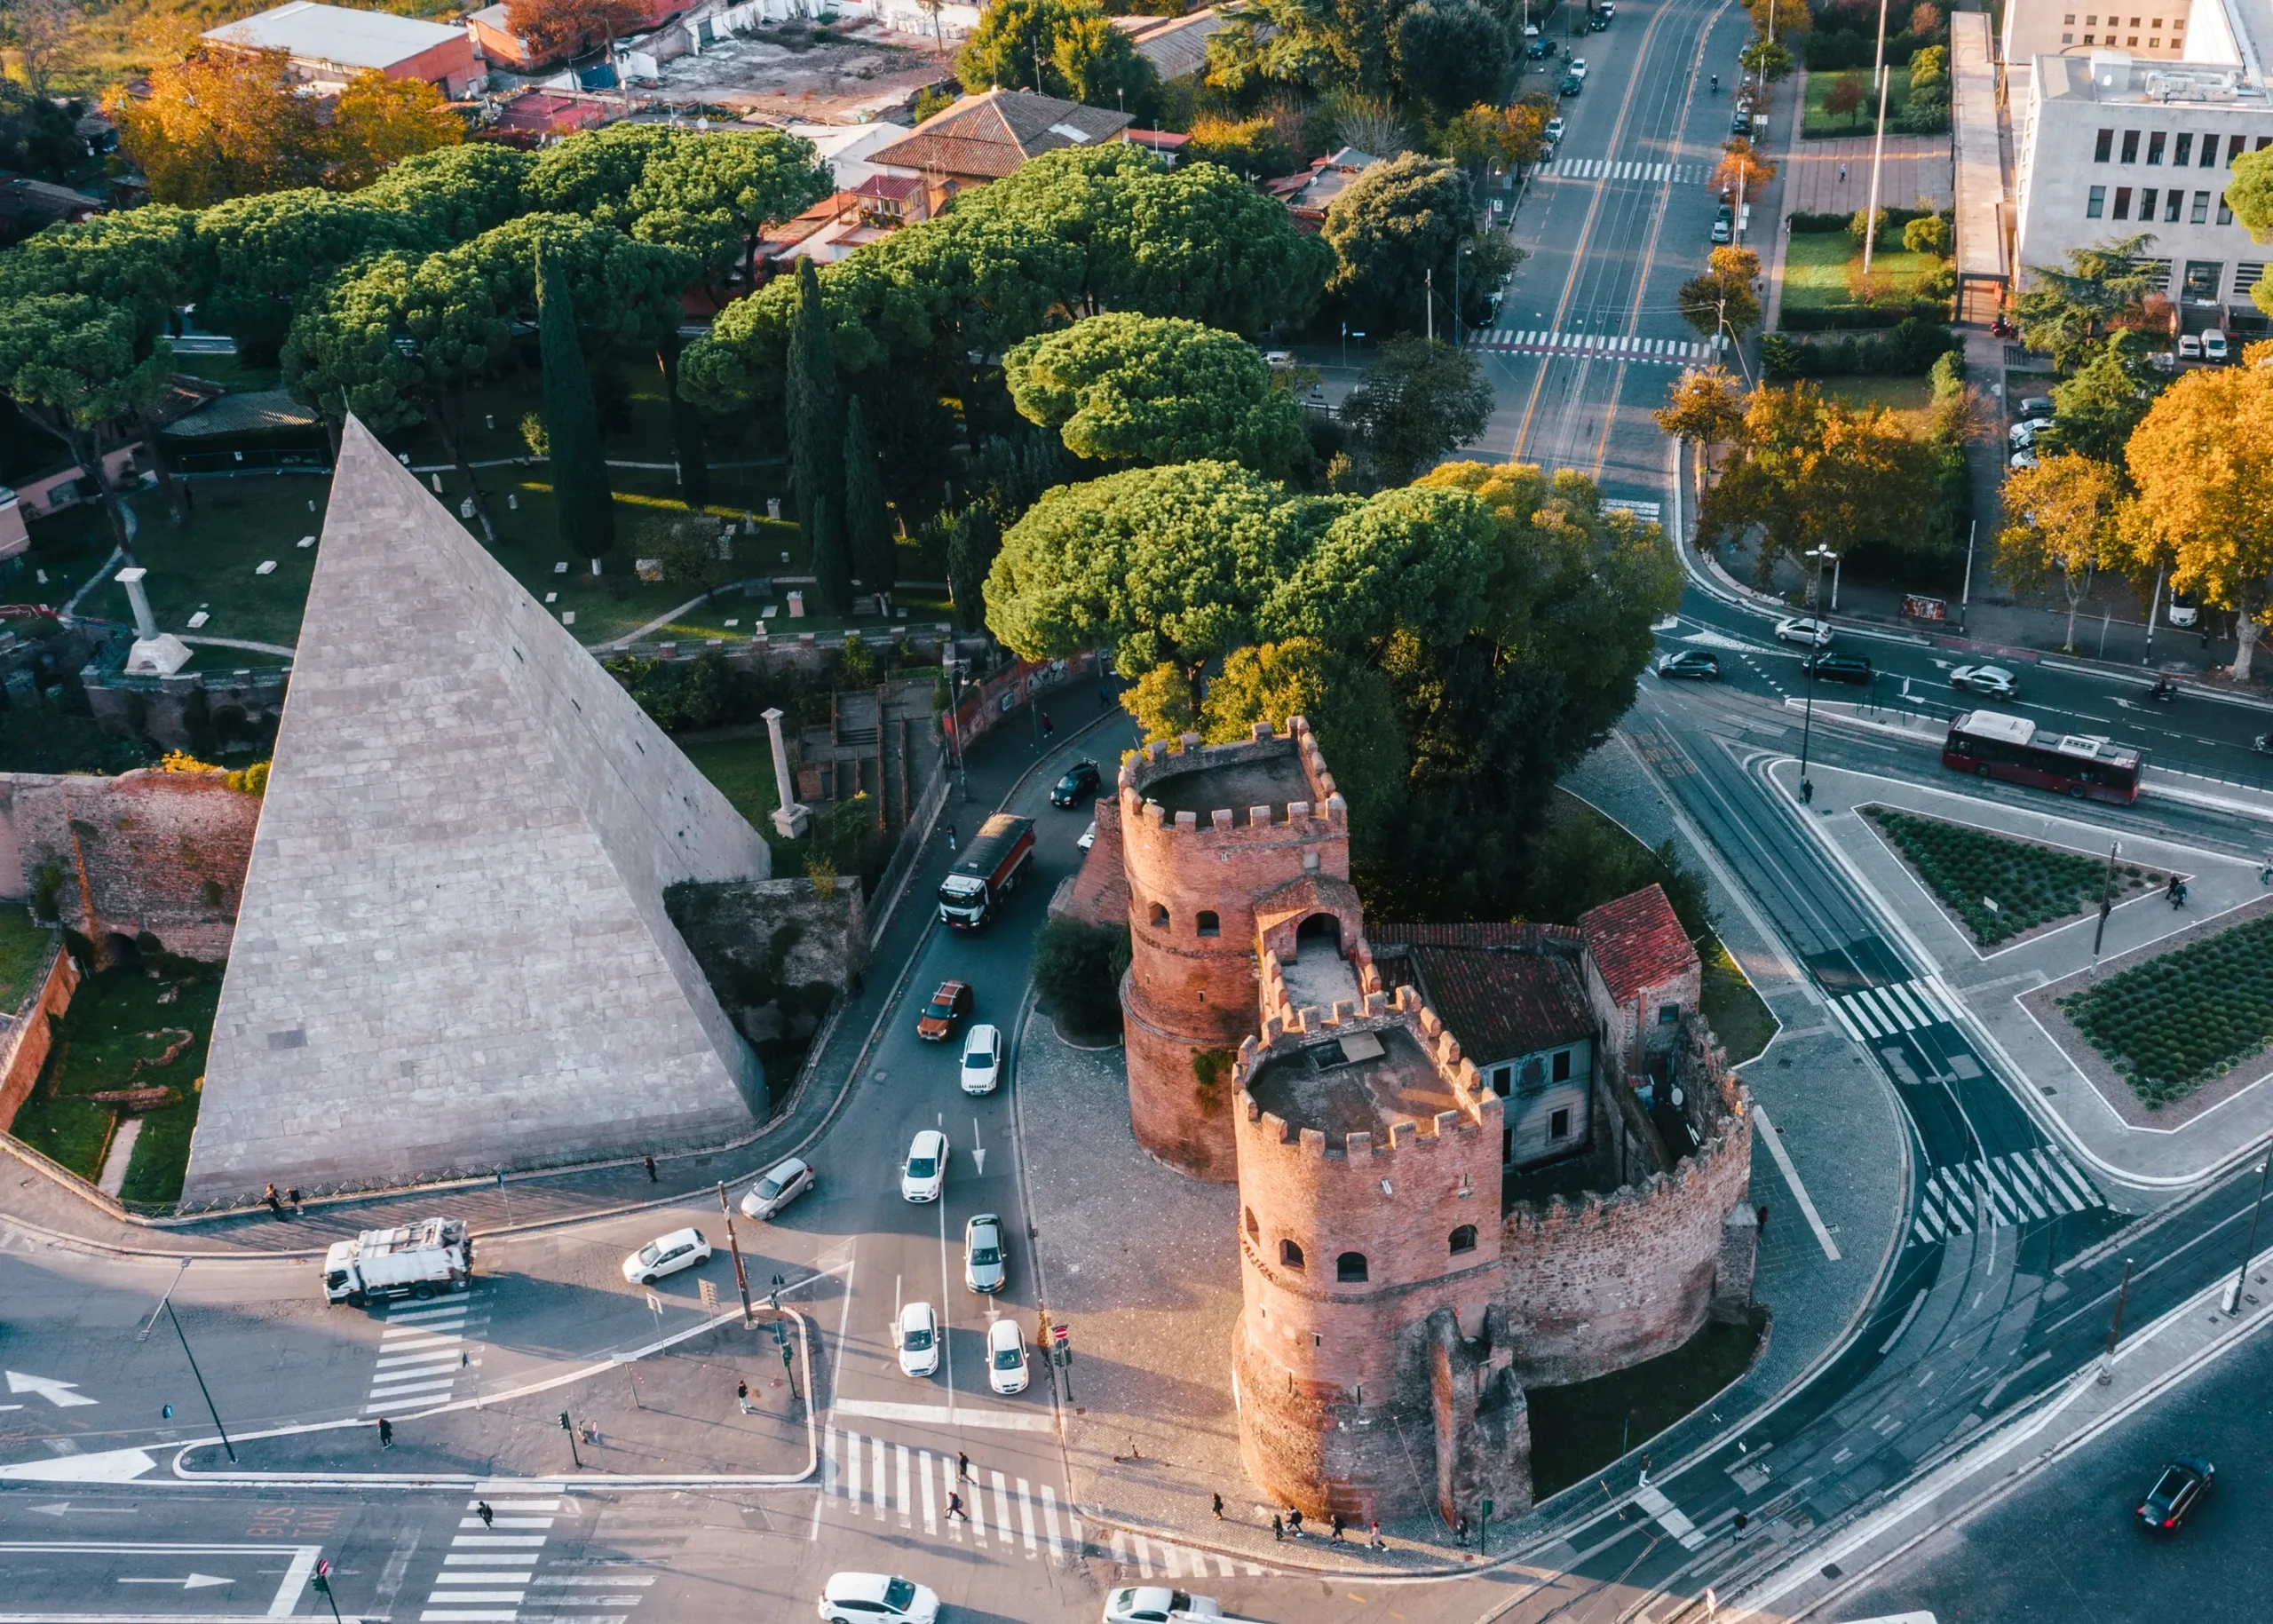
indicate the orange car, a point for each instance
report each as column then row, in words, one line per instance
column 948, row 1005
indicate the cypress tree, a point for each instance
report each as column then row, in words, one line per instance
column 686, row 427
column 579, row 487
column 868, row 528
column 972, row 543
column 817, row 445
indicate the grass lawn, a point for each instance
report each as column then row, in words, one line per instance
column 2000, row 887
column 24, row 945
column 1577, row 1430
column 742, row 769
column 230, row 372
column 2174, row 1023
column 1815, row 268
column 116, row 1019
column 1816, row 124
column 1736, row 1014
column 1900, row 395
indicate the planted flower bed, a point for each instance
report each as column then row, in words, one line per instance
column 2000, row 887
column 2174, row 1023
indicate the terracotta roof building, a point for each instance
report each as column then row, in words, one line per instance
column 1310, row 193
column 986, row 137
column 1643, row 975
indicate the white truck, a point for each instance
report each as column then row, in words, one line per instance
column 417, row 1260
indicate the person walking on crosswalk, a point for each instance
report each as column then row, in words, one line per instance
column 481, row 1510
column 962, row 1465
column 955, row 1507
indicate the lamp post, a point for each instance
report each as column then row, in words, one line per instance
column 1822, row 635
column 2249, row 1250
column 953, row 666
column 2106, row 901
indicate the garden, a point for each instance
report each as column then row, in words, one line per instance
column 2000, row 887
column 2183, row 1019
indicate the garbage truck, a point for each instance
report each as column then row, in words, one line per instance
column 418, row 1260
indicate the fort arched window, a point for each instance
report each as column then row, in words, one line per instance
column 1290, row 1255
column 1253, row 1228
column 1160, row 917
column 1209, row 925
column 1464, row 1239
column 1350, row 1268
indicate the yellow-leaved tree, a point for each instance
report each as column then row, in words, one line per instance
column 2061, row 518
column 2203, row 463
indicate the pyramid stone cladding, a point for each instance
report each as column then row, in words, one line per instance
column 452, row 953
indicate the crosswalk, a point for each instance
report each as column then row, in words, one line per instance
column 421, row 1354
column 990, row 1510
column 1902, row 1006
column 1629, row 169
column 1164, row 1559
column 2021, row 1187
column 496, row 1571
column 1622, row 346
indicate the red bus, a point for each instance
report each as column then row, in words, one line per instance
column 1992, row 744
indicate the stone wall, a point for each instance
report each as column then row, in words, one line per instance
column 145, row 854
column 200, row 712
column 24, row 1044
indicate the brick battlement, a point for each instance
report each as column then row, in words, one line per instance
column 1474, row 1107
column 1323, row 811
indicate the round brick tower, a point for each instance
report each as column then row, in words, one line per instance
column 1209, row 834
column 1373, row 1367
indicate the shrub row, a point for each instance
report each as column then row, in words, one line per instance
column 1909, row 350
column 1859, row 318
column 1896, row 219
column 1998, row 886
column 2177, row 1022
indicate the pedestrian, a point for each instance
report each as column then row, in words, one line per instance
column 1459, row 1530
column 962, row 1465
column 741, row 1396
column 1375, row 1541
column 386, row 1433
column 293, row 1196
column 1047, row 726
column 1278, row 1528
column 1105, row 696
column 1219, row 1508
column 274, row 1205
column 1644, row 1482
column 188, row 498
column 1842, row 174
column 1742, row 1522
column 481, row 1510
column 1294, row 1521
column 955, row 1507
column 1338, row 1526
column 950, row 839
column 648, row 1163
column 1759, row 1220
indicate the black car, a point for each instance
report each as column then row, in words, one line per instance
column 1827, row 667
column 1695, row 663
column 1598, row 23
column 1081, row 781
column 1572, row 84
column 1741, row 124
column 2185, row 1483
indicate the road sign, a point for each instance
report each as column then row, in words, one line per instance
column 1060, row 1334
column 708, row 1293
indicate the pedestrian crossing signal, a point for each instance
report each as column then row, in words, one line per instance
column 565, row 1427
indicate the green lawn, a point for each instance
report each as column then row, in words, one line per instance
column 744, row 771
column 2000, row 887
column 1736, row 1014
column 1896, row 394
column 1577, row 1430
column 1815, row 268
column 1818, row 124
column 24, row 945
column 2177, row 1021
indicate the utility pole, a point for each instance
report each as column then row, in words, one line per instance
column 1878, row 150
column 2106, row 900
column 2249, row 1250
column 569, row 1427
column 1965, row 597
column 741, row 1275
column 194, row 1371
column 1428, row 293
column 2154, row 608
column 2115, row 1328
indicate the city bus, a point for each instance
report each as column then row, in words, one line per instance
column 1991, row 744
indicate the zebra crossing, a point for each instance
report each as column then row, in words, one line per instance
column 901, row 1484
column 421, row 1354
column 1902, row 1006
column 1630, row 169
column 1666, row 352
column 491, row 1572
column 1164, row 1559
column 2021, row 1187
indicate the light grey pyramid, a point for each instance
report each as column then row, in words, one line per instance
column 452, row 953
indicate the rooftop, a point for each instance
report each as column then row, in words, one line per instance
column 990, row 135
column 1506, row 990
column 1268, row 780
column 1177, row 46
column 2117, row 78
column 335, row 33
column 1637, row 942
column 1358, row 1082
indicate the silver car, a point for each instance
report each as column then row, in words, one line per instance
column 983, row 1269
column 780, row 1184
column 1990, row 681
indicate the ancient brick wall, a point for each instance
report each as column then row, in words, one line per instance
column 149, row 853
column 24, row 1045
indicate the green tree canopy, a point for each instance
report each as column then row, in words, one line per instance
column 1451, row 54
column 1418, row 401
column 1122, row 387
column 72, row 362
column 1394, row 230
column 458, row 193
column 1064, row 48
column 2064, row 311
column 256, row 258
column 1807, row 469
column 2099, row 404
column 583, row 503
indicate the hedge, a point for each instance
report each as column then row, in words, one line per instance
column 1909, row 350
column 2000, row 887
column 2176, row 1022
column 1850, row 318
column 1830, row 51
column 1895, row 219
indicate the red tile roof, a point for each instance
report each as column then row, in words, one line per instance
column 989, row 135
column 1503, row 989
column 1637, row 943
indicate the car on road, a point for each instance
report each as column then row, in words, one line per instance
column 1081, row 781
column 1740, row 123
column 876, row 1598
column 1599, row 23
column 1579, row 66
column 1990, row 681
column 1555, row 127
column 1156, row 1604
column 982, row 1059
column 779, row 1185
column 1540, row 49
column 1089, row 836
column 1694, row 663
column 2035, row 405
column 1724, row 224
column 1826, row 667
column 2214, row 346
column 1572, row 85
column 2190, row 347
column 948, row 1005
column 916, row 1337
column 682, row 1248
column 983, row 1270
column 1805, row 632
column 1006, row 1356
column 2184, row 1485
column 925, row 1174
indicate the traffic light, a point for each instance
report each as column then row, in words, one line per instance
column 565, row 1427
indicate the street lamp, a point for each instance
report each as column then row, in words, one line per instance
column 954, row 668
column 2249, row 1250
column 1821, row 636
column 2106, row 901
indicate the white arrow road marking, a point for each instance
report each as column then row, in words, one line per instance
column 196, row 1582
column 111, row 1466
column 56, row 1392
column 65, row 1508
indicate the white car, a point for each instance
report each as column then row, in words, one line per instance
column 778, row 1186
column 925, row 1174
column 982, row 1059
column 866, row 1598
column 1006, row 1356
column 1991, row 681
column 1554, row 129
column 1806, row 633
column 1157, row 1604
column 1576, row 66
column 2213, row 345
column 682, row 1248
column 2022, row 435
column 1089, row 836
column 2024, row 458
column 917, row 1335
column 2190, row 347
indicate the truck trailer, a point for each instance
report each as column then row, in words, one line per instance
column 417, row 1260
column 990, row 868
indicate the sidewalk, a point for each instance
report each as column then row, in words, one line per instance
column 2005, row 991
column 998, row 760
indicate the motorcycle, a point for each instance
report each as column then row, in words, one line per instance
column 2262, row 744
column 2163, row 691
column 1716, row 84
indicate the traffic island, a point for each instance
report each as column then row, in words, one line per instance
column 2001, row 888
column 676, row 1413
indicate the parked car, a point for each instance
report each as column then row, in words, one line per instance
column 2025, row 457
column 1599, row 22
column 1571, row 84
column 917, row 1336
column 1740, row 123
column 1805, row 632
column 2213, row 345
column 1554, row 128
column 1089, row 836
column 1579, row 66
column 1838, row 668
column 1006, row 1356
column 868, row 1598
column 1990, row 681
column 2190, row 347
column 779, row 1185
column 948, row 1005
column 1695, row 663
column 2021, row 436
column 682, row 1248
column 1724, row 224
column 1081, row 781
column 982, row 1059
column 1156, row 1604
column 2185, row 1483
column 2035, row 405
column 925, row 1174
column 1537, row 49
column 982, row 1268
